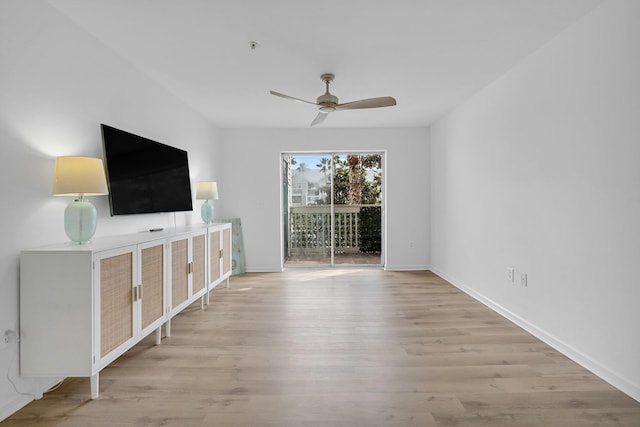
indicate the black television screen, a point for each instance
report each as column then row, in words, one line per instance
column 144, row 176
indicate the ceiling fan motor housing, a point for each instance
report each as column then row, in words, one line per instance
column 327, row 101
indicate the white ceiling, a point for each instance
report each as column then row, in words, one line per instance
column 428, row 54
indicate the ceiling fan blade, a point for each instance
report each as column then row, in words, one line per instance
column 282, row 95
column 384, row 101
column 319, row 118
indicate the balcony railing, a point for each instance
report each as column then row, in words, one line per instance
column 310, row 229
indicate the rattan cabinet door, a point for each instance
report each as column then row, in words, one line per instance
column 214, row 256
column 179, row 279
column 199, row 280
column 151, row 259
column 115, row 287
column 226, row 250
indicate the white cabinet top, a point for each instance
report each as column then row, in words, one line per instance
column 109, row 242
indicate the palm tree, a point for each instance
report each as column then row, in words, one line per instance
column 302, row 168
column 324, row 165
column 355, row 179
column 371, row 179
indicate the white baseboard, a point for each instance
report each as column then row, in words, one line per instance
column 597, row 368
column 36, row 388
column 264, row 270
column 407, row 267
column 13, row 406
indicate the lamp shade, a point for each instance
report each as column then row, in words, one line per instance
column 79, row 176
column 207, row 190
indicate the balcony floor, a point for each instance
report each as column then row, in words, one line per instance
column 340, row 258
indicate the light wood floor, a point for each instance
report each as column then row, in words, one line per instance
column 339, row 348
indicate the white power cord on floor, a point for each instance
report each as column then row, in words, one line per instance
column 11, row 337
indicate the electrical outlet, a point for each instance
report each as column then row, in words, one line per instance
column 523, row 279
column 511, row 273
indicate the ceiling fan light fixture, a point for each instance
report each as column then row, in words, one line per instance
column 327, row 109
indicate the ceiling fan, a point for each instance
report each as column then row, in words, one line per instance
column 328, row 103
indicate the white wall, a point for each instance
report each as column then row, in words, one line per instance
column 251, row 187
column 57, row 84
column 540, row 172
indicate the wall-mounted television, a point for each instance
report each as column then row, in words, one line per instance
column 144, row 176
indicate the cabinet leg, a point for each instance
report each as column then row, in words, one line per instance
column 159, row 335
column 206, row 297
column 167, row 327
column 95, row 385
column 202, row 302
column 227, row 283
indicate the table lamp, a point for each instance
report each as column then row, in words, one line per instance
column 79, row 177
column 207, row 191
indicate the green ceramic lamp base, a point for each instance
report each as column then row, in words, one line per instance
column 80, row 220
column 207, row 212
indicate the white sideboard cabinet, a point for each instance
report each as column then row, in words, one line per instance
column 82, row 306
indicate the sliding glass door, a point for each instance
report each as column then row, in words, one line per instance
column 332, row 209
